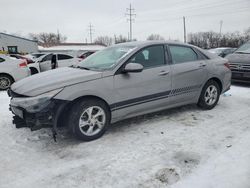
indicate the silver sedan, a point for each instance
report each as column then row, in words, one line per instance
column 120, row 82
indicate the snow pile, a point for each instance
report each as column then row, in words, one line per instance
column 178, row 148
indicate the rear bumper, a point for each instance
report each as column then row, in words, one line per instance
column 47, row 117
column 21, row 73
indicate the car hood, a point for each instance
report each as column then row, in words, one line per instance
column 238, row 58
column 53, row 79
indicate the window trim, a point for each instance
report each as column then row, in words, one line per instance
column 199, row 57
column 166, row 58
column 71, row 57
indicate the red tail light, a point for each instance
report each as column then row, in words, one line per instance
column 227, row 65
column 23, row 64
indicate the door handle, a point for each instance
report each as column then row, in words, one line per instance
column 163, row 73
column 202, row 65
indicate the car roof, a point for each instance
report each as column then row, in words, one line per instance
column 146, row 43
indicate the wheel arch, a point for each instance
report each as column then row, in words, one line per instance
column 33, row 70
column 68, row 107
column 218, row 81
column 6, row 74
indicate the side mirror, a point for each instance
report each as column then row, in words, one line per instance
column 133, row 67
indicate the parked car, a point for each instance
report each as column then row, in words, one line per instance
column 11, row 70
column 86, row 54
column 222, row 51
column 17, row 56
column 119, row 82
column 53, row 61
column 34, row 56
column 240, row 63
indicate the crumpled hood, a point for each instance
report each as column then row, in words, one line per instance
column 238, row 58
column 53, row 79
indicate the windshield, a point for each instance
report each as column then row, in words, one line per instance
column 106, row 59
column 245, row 48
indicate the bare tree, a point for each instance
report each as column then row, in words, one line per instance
column 48, row 39
column 213, row 40
column 121, row 39
column 155, row 37
column 106, row 40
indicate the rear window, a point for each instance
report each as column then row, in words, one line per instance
column 181, row 54
column 1, row 60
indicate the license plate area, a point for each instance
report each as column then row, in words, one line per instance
column 17, row 111
column 237, row 74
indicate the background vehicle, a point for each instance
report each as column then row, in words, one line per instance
column 222, row 51
column 17, row 56
column 120, row 82
column 11, row 70
column 240, row 63
column 34, row 56
column 86, row 54
column 52, row 61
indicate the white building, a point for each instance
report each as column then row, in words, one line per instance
column 14, row 44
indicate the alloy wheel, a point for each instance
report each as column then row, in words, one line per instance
column 92, row 120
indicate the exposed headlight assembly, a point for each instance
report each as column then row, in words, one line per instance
column 34, row 104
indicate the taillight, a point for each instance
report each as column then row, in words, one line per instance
column 227, row 65
column 23, row 64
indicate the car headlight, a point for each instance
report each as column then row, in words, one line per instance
column 34, row 104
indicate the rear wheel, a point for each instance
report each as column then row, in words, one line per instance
column 89, row 119
column 5, row 81
column 210, row 95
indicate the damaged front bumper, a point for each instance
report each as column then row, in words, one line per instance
column 36, row 112
column 47, row 117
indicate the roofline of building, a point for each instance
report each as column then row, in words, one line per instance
column 76, row 44
column 18, row 37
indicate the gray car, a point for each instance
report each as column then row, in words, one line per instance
column 119, row 82
column 240, row 63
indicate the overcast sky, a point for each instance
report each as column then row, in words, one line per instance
column 164, row 17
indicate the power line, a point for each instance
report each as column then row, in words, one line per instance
column 130, row 13
column 221, row 22
column 184, row 27
column 90, row 30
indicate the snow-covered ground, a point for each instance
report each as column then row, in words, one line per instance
column 179, row 148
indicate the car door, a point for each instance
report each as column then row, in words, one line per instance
column 65, row 60
column 146, row 91
column 45, row 63
column 188, row 73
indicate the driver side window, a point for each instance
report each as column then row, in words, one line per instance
column 152, row 56
column 47, row 58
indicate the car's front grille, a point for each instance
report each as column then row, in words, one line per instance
column 240, row 67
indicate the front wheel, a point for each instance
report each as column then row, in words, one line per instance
column 5, row 82
column 89, row 119
column 210, row 95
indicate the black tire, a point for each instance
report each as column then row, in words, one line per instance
column 33, row 71
column 77, row 111
column 203, row 103
column 5, row 81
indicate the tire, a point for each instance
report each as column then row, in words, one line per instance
column 33, row 71
column 5, row 81
column 82, row 126
column 210, row 95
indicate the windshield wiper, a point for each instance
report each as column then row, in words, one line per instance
column 79, row 67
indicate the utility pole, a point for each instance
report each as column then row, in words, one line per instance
column 221, row 22
column 90, row 29
column 184, row 27
column 131, row 15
